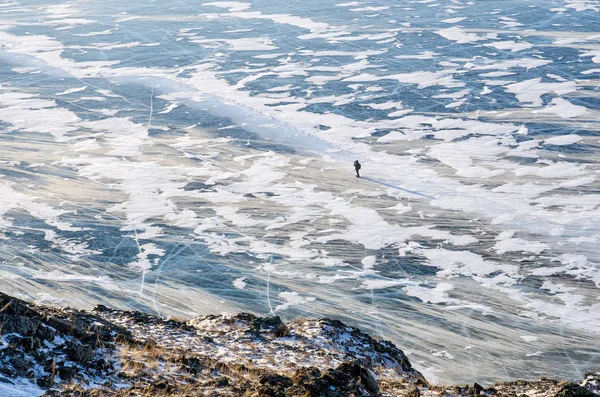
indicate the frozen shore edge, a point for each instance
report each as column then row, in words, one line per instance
column 104, row 352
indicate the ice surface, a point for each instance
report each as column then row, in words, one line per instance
column 186, row 157
column 22, row 389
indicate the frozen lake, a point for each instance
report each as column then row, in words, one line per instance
column 190, row 157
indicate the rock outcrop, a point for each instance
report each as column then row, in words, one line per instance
column 109, row 352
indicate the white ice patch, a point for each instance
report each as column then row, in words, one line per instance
column 460, row 36
column 245, row 44
column 529, row 338
column 169, row 108
column 509, row 22
column 563, row 140
column 31, row 113
column 530, row 92
column 145, row 262
column 57, row 275
column 508, row 244
column 150, row 188
column 375, row 284
column 537, row 353
column 239, row 283
column 505, row 65
column 452, row 95
column 435, row 295
column 317, row 29
column 513, row 46
column 293, row 299
column 368, row 262
column 421, row 55
column 443, row 354
column 592, row 71
column 232, row 215
column 71, row 91
column 556, row 288
column 422, row 79
column 463, row 263
column 370, row 9
column 577, row 266
column 401, row 208
column 358, row 55
column 384, row 106
column 49, row 51
column 583, row 5
column 449, row 129
column 11, row 199
column 453, row 20
column 461, row 155
column 232, row 6
column 91, row 34
column 552, row 171
column 563, row 109
column 497, row 74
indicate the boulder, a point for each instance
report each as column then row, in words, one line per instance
column 269, row 391
column 574, row 390
column 15, row 307
column 277, row 380
column 24, row 326
column 477, row 389
column 348, row 379
column 79, row 353
column 363, row 375
column 267, row 323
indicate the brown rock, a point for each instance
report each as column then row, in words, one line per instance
column 414, row 392
column 277, row 380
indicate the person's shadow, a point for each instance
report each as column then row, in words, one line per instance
column 399, row 188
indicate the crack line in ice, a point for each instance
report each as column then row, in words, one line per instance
column 269, row 285
column 173, row 253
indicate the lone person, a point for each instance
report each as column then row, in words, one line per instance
column 357, row 168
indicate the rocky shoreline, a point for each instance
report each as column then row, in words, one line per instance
column 104, row 352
